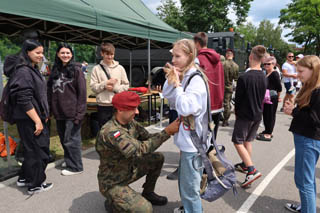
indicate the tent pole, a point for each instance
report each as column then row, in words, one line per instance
column 149, row 81
column 130, row 68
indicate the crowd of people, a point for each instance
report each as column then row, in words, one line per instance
column 128, row 151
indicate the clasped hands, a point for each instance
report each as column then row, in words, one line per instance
column 110, row 84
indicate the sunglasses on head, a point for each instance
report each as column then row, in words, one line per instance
column 267, row 64
column 290, row 56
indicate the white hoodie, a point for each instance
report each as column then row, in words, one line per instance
column 192, row 101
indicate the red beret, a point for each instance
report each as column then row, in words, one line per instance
column 126, row 100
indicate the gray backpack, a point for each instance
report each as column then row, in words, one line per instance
column 219, row 176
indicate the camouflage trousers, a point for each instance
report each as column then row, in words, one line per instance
column 124, row 199
column 227, row 106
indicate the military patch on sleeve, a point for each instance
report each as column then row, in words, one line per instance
column 116, row 134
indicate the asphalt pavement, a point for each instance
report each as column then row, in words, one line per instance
column 80, row 193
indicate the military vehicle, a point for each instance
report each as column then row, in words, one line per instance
column 220, row 41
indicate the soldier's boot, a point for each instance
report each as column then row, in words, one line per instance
column 108, row 206
column 155, row 199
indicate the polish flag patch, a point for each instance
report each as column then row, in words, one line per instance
column 116, row 134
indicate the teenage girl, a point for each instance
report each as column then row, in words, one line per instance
column 305, row 127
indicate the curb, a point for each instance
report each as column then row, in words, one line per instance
column 13, row 180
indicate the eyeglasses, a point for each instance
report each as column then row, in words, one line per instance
column 267, row 64
column 290, row 56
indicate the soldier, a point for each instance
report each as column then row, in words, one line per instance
column 231, row 70
column 126, row 152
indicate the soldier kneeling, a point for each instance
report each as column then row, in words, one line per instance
column 126, row 152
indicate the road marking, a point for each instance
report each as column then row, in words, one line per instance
column 258, row 191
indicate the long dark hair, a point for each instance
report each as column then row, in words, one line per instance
column 58, row 65
column 28, row 45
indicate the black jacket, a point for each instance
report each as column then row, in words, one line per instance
column 67, row 96
column 28, row 90
column 306, row 121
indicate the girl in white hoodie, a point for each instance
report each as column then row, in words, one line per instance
column 190, row 100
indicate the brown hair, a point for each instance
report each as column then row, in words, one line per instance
column 107, row 47
column 201, row 38
column 258, row 52
column 311, row 62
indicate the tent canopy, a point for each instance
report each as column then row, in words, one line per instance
column 126, row 23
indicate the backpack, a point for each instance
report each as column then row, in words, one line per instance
column 219, row 176
column 6, row 109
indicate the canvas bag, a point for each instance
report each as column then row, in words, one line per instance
column 220, row 173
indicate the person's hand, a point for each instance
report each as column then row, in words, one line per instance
column 279, row 100
column 173, row 127
column 158, row 88
column 288, row 107
column 294, row 76
column 172, row 75
column 112, row 81
column 109, row 87
column 39, row 128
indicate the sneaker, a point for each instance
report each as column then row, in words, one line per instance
column 44, row 187
column 64, row 165
column 173, row 175
column 21, row 182
column 293, row 207
column 179, row 210
column 155, row 199
column 240, row 167
column 66, row 172
column 252, row 176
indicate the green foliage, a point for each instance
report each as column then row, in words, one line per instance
column 303, row 18
column 203, row 15
column 7, row 47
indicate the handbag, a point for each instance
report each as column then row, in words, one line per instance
column 219, row 174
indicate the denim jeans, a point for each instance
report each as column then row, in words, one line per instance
column 307, row 155
column 189, row 182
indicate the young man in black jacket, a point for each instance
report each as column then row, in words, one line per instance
column 250, row 92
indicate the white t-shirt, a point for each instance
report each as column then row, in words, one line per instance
column 291, row 69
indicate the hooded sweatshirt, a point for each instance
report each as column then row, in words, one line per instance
column 99, row 79
column 213, row 68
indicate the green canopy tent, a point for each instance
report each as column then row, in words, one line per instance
column 127, row 24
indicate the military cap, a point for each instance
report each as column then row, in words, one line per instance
column 126, row 100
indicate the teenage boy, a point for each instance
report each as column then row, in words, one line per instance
column 107, row 79
column 250, row 92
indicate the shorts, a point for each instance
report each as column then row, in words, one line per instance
column 244, row 131
column 287, row 85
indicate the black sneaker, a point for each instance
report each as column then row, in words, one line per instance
column 21, row 182
column 173, row 175
column 252, row 176
column 44, row 187
column 155, row 199
column 179, row 210
column 240, row 167
column 293, row 207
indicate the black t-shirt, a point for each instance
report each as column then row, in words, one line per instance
column 250, row 91
column 274, row 82
column 306, row 121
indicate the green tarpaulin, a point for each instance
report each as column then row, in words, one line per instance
column 128, row 23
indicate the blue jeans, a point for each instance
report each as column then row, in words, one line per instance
column 307, row 155
column 189, row 182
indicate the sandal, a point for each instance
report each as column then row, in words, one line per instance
column 262, row 137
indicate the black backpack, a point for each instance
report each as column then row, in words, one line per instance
column 6, row 109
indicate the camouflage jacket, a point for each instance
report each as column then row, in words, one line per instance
column 120, row 147
column 231, row 70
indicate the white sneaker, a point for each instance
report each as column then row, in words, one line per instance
column 64, row 165
column 66, row 172
column 179, row 210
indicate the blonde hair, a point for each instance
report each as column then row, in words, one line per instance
column 311, row 62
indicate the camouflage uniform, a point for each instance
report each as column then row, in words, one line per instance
column 127, row 154
column 231, row 70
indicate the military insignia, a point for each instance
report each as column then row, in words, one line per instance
column 116, row 134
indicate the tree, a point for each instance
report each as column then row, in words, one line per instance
column 249, row 31
column 203, row 15
column 7, row 47
column 303, row 18
column 170, row 13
